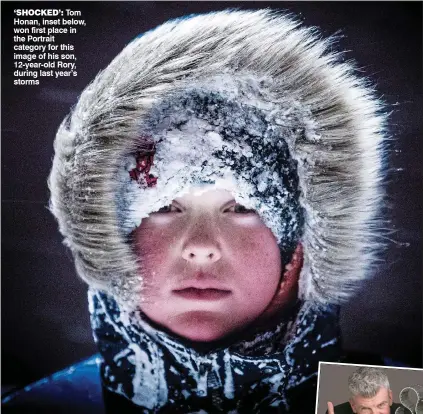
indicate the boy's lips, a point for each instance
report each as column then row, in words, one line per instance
column 202, row 294
column 202, row 286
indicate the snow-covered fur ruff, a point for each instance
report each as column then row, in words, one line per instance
column 300, row 96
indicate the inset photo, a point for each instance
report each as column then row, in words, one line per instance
column 369, row 389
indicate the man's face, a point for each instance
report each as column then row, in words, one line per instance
column 209, row 265
column 379, row 404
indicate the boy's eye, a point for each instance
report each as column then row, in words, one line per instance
column 169, row 209
column 240, row 209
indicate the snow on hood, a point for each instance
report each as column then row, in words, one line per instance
column 219, row 136
column 291, row 95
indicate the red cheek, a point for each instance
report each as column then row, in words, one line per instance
column 154, row 246
column 259, row 244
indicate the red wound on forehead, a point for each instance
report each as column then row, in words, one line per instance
column 141, row 173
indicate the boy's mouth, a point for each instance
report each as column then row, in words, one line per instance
column 202, row 294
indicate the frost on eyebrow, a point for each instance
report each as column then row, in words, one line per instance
column 227, row 137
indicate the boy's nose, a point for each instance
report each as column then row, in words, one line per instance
column 201, row 254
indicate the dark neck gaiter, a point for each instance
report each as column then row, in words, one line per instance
column 155, row 372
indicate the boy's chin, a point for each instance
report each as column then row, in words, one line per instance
column 200, row 335
column 202, row 326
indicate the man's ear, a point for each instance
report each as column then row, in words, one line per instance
column 353, row 407
column 390, row 397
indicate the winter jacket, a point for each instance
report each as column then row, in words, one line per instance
column 78, row 389
column 252, row 103
column 262, row 373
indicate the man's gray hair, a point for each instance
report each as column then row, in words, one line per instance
column 367, row 381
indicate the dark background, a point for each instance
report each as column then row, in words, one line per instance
column 45, row 324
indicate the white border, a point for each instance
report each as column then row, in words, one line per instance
column 354, row 365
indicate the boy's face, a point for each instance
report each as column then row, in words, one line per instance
column 209, row 266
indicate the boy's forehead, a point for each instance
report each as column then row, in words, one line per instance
column 205, row 194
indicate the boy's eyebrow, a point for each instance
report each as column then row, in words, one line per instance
column 179, row 205
column 228, row 203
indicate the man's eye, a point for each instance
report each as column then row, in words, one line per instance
column 239, row 208
column 169, row 209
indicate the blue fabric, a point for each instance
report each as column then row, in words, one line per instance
column 76, row 389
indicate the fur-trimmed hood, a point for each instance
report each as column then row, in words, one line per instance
column 328, row 119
